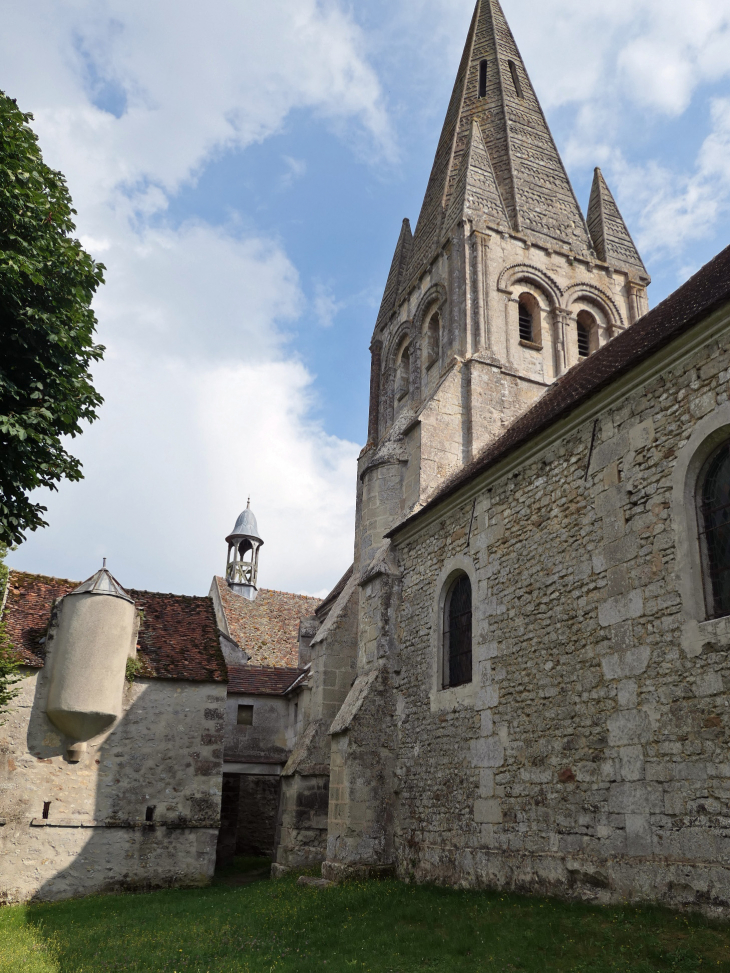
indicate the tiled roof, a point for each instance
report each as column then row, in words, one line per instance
column 267, row 629
column 28, row 612
column 324, row 607
column 705, row 292
column 178, row 637
column 261, row 680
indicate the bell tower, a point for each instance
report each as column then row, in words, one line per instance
column 503, row 287
column 244, row 544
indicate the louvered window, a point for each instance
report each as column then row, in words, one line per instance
column 526, row 330
column 457, row 633
column 714, row 526
column 584, row 341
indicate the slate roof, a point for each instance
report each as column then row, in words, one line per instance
column 261, row 680
column 705, row 292
column 178, row 637
column 267, row 629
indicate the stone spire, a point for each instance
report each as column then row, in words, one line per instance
column 397, row 267
column 493, row 89
column 476, row 194
column 611, row 238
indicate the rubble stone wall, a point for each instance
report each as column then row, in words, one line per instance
column 589, row 755
column 165, row 752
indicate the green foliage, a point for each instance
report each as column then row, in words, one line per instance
column 9, row 664
column 382, row 927
column 47, row 282
column 134, row 667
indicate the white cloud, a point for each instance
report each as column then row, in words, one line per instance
column 326, row 306
column 295, row 169
column 204, row 402
column 675, row 209
column 171, row 463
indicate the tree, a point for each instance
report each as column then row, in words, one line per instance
column 47, row 283
column 9, row 662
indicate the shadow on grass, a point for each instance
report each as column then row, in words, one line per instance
column 382, row 927
column 243, row 870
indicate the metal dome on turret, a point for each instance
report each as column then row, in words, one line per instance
column 246, row 526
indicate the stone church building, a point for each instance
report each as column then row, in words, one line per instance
column 519, row 682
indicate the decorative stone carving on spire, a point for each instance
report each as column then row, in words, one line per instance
column 493, row 87
column 475, row 194
column 400, row 261
column 610, row 235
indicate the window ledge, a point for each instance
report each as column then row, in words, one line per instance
column 532, row 345
column 454, row 698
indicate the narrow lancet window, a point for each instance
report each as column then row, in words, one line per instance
column 714, row 528
column 516, row 79
column 434, row 340
column 403, row 375
column 526, row 324
column 457, row 633
column 482, row 79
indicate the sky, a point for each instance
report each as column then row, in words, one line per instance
column 242, row 169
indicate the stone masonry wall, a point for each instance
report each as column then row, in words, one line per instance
column 303, row 807
column 589, row 755
column 165, row 752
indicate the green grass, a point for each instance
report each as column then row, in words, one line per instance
column 377, row 926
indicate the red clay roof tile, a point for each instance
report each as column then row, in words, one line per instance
column 267, row 629
column 178, row 637
column 261, row 680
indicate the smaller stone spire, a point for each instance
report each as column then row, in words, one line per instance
column 609, row 233
column 476, row 194
column 244, row 543
column 400, row 261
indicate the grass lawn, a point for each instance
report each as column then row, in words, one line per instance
column 264, row 926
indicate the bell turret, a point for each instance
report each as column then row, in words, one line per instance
column 244, row 543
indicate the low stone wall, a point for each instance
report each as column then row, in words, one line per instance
column 164, row 754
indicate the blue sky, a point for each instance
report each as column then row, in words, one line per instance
column 243, row 171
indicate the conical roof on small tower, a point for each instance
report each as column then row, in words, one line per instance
column 610, row 235
column 493, row 89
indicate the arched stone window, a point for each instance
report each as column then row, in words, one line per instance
column 713, row 511
column 457, row 640
column 403, row 374
column 587, row 334
column 433, row 339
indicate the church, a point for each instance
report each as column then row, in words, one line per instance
column 519, row 682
